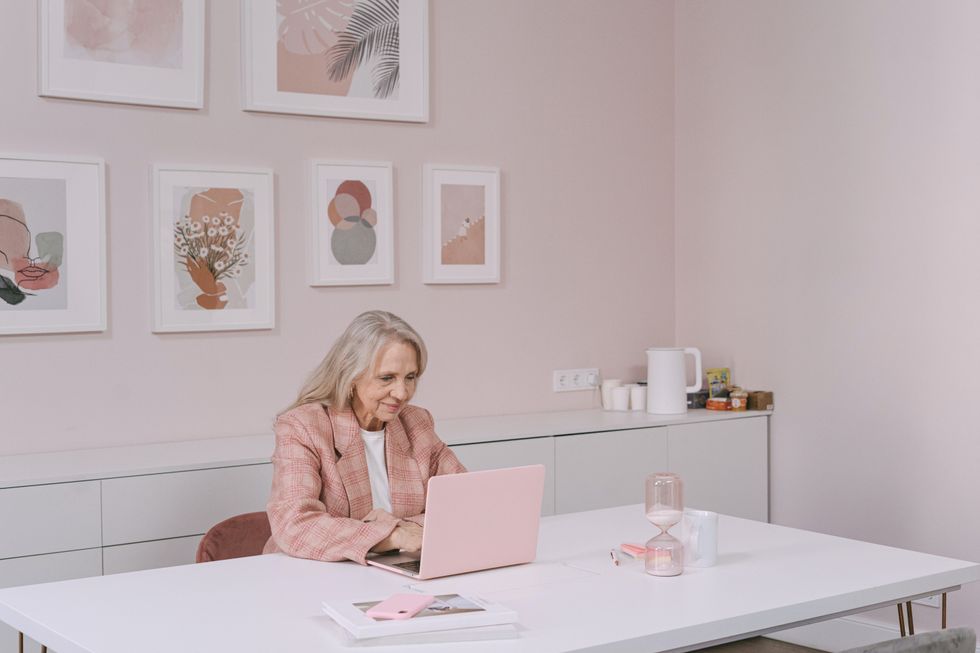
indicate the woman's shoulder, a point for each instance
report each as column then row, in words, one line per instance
column 416, row 419
column 311, row 418
column 304, row 412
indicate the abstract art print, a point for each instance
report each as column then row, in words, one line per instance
column 352, row 232
column 136, row 52
column 344, row 58
column 212, row 249
column 461, row 224
column 52, row 245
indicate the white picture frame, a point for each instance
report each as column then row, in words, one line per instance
column 123, row 64
column 451, row 238
column 218, row 289
column 282, row 61
column 52, row 244
column 351, row 223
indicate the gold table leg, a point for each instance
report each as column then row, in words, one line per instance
column 901, row 620
column 908, row 607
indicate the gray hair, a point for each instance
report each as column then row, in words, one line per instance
column 353, row 354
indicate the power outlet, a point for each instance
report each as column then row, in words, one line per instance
column 934, row 601
column 581, row 379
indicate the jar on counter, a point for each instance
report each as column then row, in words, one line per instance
column 739, row 399
column 717, row 403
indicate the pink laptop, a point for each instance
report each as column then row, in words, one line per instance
column 474, row 521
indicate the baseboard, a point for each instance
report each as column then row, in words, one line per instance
column 839, row 634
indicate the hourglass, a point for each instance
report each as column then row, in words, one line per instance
column 665, row 507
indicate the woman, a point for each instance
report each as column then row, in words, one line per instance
column 352, row 458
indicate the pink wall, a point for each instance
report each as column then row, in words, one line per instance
column 827, row 162
column 576, row 109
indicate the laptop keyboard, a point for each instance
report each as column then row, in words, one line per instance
column 411, row 565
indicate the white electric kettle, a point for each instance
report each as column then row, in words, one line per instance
column 666, row 379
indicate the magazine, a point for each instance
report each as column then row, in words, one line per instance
column 447, row 612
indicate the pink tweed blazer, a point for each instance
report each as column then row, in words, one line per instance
column 320, row 485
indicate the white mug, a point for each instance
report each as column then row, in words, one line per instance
column 699, row 535
column 606, row 389
column 638, row 397
column 621, row 398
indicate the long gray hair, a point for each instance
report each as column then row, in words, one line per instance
column 353, row 354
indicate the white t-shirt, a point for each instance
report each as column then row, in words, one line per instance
column 374, row 451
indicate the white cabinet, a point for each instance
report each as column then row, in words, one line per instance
column 43, row 569
column 48, row 518
column 514, row 453
column 149, row 555
column 156, row 506
column 135, row 508
column 724, row 465
column 600, row 470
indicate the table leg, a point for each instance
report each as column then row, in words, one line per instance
column 20, row 642
column 901, row 620
column 44, row 649
column 908, row 607
column 944, row 610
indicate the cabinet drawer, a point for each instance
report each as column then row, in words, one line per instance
column 514, row 453
column 601, row 470
column 161, row 506
column 724, row 465
column 48, row 518
column 149, row 555
column 30, row 570
column 43, row 569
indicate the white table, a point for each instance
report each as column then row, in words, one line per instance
column 572, row 598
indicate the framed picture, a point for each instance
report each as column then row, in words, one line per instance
column 213, row 250
column 460, row 224
column 52, row 245
column 351, row 224
column 137, row 52
column 343, row 58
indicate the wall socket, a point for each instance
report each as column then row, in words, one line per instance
column 934, row 601
column 585, row 378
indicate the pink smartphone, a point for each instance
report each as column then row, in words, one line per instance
column 400, row 606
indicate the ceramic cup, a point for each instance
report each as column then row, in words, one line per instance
column 638, row 397
column 621, row 398
column 606, row 389
column 699, row 533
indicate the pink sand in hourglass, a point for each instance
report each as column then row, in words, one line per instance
column 664, row 518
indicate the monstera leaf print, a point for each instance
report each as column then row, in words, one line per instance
column 371, row 34
column 311, row 26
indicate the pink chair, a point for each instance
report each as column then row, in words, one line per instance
column 236, row 537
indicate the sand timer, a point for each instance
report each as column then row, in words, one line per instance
column 665, row 507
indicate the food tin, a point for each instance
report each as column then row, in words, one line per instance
column 717, row 403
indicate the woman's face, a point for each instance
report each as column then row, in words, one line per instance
column 382, row 391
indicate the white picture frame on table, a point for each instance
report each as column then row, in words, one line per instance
column 151, row 54
column 213, row 248
column 52, row 244
column 289, row 46
column 351, row 224
column 460, row 224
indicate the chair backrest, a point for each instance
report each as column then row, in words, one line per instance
column 235, row 537
column 952, row 640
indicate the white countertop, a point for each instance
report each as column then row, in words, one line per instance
column 158, row 458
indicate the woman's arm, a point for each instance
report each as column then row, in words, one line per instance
column 442, row 460
column 301, row 526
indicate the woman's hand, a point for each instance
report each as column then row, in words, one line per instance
column 407, row 535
